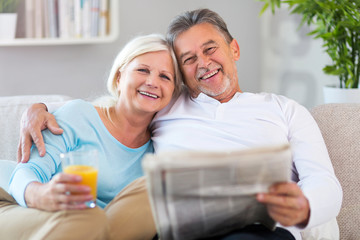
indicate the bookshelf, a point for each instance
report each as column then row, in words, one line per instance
column 95, row 38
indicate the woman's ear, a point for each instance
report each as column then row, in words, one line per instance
column 118, row 76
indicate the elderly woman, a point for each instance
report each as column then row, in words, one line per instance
column 143, row 80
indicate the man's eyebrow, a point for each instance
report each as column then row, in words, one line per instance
column 208, row 42
column 203, row 45
column 184, row 54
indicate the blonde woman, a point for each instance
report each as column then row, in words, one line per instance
column 143, row 80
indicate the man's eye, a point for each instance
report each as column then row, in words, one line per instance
column 189, row 60
column 210, row 50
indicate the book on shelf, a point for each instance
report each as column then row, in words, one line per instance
column 199, row 194
column 66, row 19
column 29, row 19
column 104, row 22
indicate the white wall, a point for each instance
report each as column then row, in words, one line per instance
column 80, row 71
column 292, row 61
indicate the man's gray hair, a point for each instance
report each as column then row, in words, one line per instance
column 188, row 19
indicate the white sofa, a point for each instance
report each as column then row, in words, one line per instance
column 339, row 123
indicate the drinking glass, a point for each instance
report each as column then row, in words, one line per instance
column 84, row 164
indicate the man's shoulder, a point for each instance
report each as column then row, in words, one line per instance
column 273, row 97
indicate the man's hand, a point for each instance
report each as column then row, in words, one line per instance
column 286, row 204
column 61, row 193
column 33, row 121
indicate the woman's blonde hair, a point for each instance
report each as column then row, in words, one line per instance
column 136, row 47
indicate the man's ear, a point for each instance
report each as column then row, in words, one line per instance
column 235, row 49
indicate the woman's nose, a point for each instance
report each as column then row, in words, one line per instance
column 152, row 81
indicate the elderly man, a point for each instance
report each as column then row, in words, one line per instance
column 213, row 113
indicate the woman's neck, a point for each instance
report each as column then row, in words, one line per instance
column 130, row 129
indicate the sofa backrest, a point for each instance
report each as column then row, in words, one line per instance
column 340, row 127
column 11, row 109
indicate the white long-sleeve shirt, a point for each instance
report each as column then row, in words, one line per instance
column 251, row 120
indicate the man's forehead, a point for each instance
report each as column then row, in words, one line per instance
column 197, row 36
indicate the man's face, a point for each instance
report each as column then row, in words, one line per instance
column 207, row 62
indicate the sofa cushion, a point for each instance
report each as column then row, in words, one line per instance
column 339, row 125
column 11, row 109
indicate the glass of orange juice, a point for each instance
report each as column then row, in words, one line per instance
column 85, row 164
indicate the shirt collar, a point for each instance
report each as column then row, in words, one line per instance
column 205, row 98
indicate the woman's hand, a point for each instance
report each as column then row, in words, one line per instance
column 286, row 204
column 33, row 120
column 61, row 193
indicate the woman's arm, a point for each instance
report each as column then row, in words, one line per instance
column 39, row 183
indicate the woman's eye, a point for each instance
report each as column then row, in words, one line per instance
column 144, row 70
column 165, row 77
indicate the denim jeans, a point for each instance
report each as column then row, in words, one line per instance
column 256, row 232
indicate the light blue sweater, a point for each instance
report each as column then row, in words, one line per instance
column 118, row 165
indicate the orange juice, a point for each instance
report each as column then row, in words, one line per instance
column 88, row 174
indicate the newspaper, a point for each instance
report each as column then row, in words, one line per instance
column 203, row 194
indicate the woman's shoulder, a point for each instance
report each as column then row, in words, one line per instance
column 75, row 109
column 76, row 105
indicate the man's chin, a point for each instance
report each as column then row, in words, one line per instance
column 212, row 93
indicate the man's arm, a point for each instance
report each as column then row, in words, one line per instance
column 316, row 197
column 33, row 121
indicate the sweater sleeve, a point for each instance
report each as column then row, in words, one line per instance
column 38, row 169
column 42, row 169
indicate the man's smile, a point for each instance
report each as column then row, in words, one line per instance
column 209, row 74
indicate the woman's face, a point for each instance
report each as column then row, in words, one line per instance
column 147, row 83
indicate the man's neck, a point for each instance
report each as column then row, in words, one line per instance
column 228, row 97
column 221, row 98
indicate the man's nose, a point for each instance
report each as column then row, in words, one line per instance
column 204, row 61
